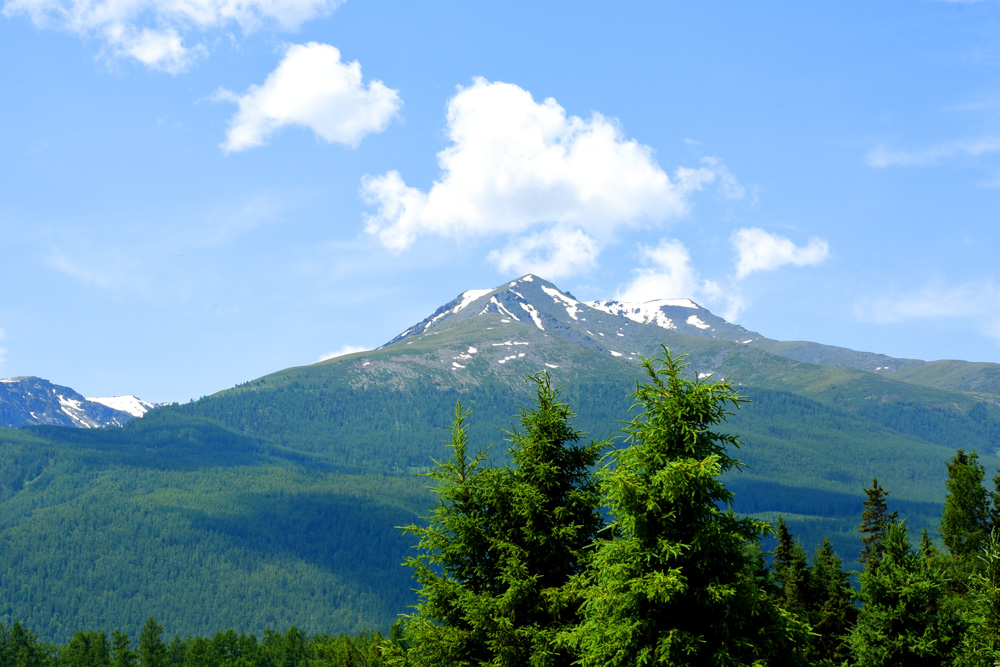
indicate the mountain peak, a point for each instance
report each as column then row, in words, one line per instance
column 535, row 302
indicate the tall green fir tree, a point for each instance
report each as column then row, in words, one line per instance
column 965, row 518
column 875, row 519
column 833, row 611
column 676, row 584
column 906, row 617
column 504, row 545
column 152, row 649
column 981, row 642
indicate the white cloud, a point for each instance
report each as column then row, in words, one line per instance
column 758, row 250
column 976, row 302
column 526, row 170
column 669, row 273
column 344, row 350
column 153, row 32
column 311, row 87
column 554, row 253
column 885, row 157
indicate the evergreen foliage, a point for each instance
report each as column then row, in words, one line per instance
column 503, row 545
column 833, row 612
column 674, row 584
column 906, row 617
column 875, row 520
column 965, row 518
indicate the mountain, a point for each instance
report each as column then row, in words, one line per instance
column 32, row 401
column 277, row 502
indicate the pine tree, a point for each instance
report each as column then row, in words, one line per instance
column 966, row 514
column 503, row 546
column 676, row 584
column 875, row 518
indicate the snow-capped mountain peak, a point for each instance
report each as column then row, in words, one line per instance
column 30, row 401
column 530, row 300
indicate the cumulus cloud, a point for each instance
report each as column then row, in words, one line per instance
column 886, row 157
column 153, row 32
column 559, row 186
column 976, row 302
column 554, row 253
column 758, row 250
column 668, row 272
column 344, row 350
column 311, row 87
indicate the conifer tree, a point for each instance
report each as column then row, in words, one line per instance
column 791, row 570
column 981, row 642
column 675, row 585
column 152, row 649
column 503, row 546
column 833, row 612
column 905, row 618
column 87, row 649
column 121, row 654
column 966, row 514
column 875, row 518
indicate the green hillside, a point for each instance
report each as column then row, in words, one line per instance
column 277, row 502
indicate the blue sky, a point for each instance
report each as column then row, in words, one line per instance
column 198, row 193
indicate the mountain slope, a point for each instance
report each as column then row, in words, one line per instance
column 276, row 502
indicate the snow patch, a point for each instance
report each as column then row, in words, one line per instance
column 552, row 365
column 650, row 312
column 572, row 305
column 696, row 321
column 500, row 308
column 472, row 350
column 615, row 354
column 469, row 296
column 534, row 315
column 455, row 364
column 130, row 404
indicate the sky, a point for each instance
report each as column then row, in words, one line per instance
column 197, row 193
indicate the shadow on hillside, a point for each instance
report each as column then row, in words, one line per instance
column 354, row 538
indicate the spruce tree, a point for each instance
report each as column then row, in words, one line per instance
column 503, row 546
column 905, row 618
column 833, row 612
column 875, row 518
column 966, row 515
column 791, row 571
column 981, row 642
column 152, row 649
column 121, row 654
column 676, row 585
